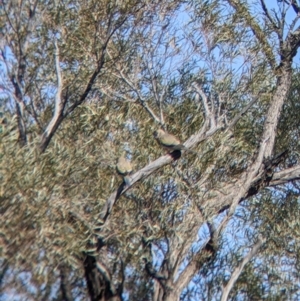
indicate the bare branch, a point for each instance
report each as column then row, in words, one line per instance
column 59, row 105
column 266, row 11
column 291, row 45
column 20, row 120
column 178, row 253
column 140, row 97
column 296, row 19
column 203, row 255
column 270, row 126
column 293, row 24
column 285, row 176
column 187, row 274
column 268, row 139
column 295, row 7
column 264, row 179
column 235, row 275
column 208, row 112
column 18, row 96
column 162, row 119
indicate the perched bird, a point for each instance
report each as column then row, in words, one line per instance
column 124, row 168
column 169, row 141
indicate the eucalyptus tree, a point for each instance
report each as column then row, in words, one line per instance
column 84, row 81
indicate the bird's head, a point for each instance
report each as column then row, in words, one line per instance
column 158, row 133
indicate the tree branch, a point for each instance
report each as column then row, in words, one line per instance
column 285, row 176
column 275, row 26
column 178, row 251
column 295, row 6
column 290, row 47
column 59, row 116
column 208, row 112
column 141, row 99
column 202, row 256
column 149, row 169
column 242, row 112
column 265, row 179
column 59, row 105
column 4, row 268
column 239, row 269
column 100, row 65
column 64, row 285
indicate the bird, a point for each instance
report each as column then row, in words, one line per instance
column 124, row 168
column 169, row 141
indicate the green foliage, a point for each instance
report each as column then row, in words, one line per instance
column 118, row 70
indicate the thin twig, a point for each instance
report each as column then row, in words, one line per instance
column 209, row 113
column 265, row 9
column 242, row 112
column 141, row 99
